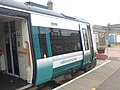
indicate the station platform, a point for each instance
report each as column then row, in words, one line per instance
column 105, row 76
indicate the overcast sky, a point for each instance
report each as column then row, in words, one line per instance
column 100, row 12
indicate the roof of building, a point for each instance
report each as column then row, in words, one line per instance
column 32, row 8
column 99, row 27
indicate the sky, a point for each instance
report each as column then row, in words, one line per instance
column 99, row 12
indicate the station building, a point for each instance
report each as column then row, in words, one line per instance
column 109, row 34
column 101, row 34
column 114, row 33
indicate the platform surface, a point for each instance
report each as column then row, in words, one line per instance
column 105, row 77
column 111, row 83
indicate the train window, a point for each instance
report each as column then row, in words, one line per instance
column 65, row 41
column 55, row 41
column 61, row 41
column 85, row 37
column 43, row 42
column 40, row 42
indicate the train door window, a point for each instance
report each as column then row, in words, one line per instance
column 85, row 37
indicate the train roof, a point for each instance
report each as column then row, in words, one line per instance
column 24, row 6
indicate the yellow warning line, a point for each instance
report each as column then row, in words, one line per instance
column 93, row 88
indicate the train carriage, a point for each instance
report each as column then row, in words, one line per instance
column 38, row 45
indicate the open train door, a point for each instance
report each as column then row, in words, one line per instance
column 15, row 51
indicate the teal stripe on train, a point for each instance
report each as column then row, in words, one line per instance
column 44, row 70
column 36, row 42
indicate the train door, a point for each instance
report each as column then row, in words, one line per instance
column 11, row 48
column 91, row 43
column 85, row 43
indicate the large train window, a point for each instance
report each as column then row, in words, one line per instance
column 50, row 42
column 65, row 41
column 85, row 37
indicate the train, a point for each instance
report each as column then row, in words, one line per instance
column 38, row 45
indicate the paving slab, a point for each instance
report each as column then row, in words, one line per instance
column 111, row 83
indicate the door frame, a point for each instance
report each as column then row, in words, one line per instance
column 86, row 53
